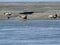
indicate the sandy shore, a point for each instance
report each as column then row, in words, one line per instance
column 41, row 10
column 35, row 16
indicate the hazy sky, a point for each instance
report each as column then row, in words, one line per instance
column 26, row 0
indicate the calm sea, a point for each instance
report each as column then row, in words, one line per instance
column 25, row 7
column 30, row 32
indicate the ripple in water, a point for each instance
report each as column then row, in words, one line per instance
column 30, row 32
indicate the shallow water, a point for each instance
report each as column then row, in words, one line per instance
column 30, row 32
column 25, row 7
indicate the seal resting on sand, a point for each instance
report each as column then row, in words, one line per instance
column 26, row 13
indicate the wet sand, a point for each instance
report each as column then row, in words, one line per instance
column 41, row 10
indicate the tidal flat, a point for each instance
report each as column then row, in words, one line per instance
column 41, row 10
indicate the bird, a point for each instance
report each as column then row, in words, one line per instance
column 53, row 16
column 8, row 14
column 23, row 16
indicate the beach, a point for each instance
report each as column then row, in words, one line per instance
column 30, row 23
column 41, row 10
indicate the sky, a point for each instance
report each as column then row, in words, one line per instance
column 28, row 0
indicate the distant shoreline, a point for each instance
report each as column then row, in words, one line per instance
column 28, row 3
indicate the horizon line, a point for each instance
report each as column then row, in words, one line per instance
column 29, row 1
